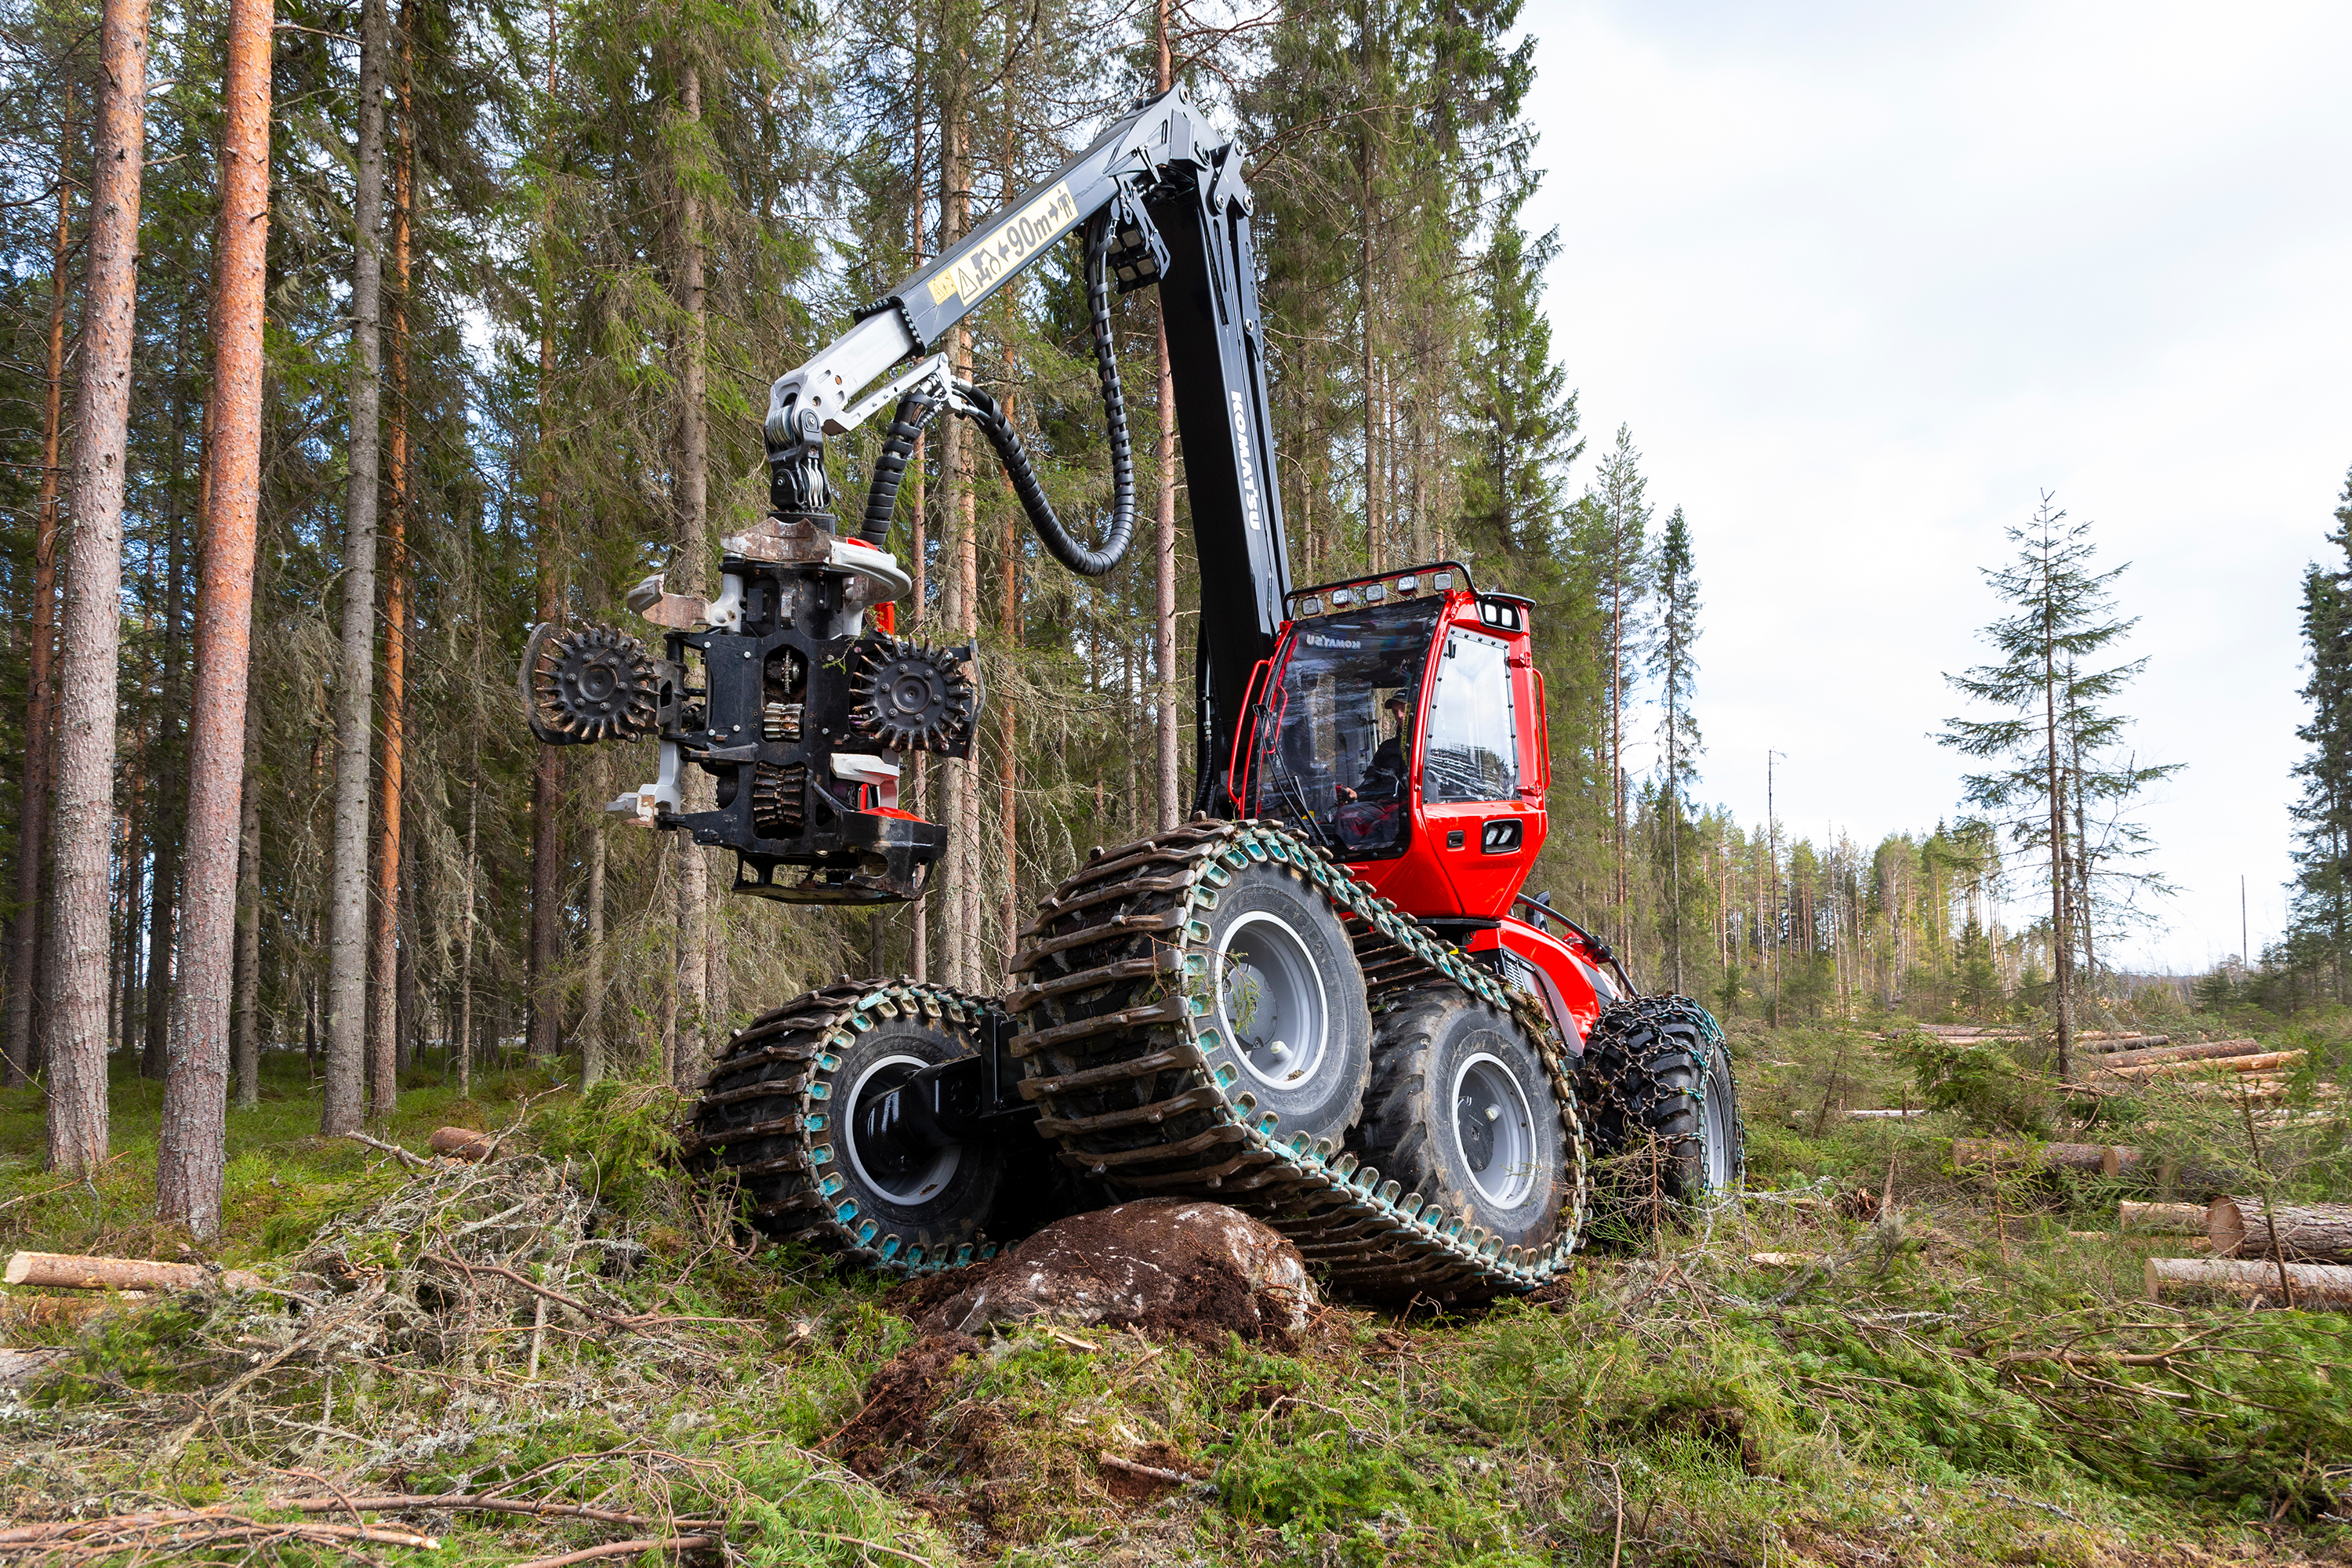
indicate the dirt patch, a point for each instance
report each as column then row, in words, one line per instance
column 1170, row 1268
column 899, row 1401
column 1128, row 1486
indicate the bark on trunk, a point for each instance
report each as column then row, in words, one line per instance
column 2302, row 1233
column 90, row 632
column 33, row 822
column 546, row 765
column 342, row 1104
column 223, row 817
column 247, row 1026
column 694, row 538
column 384, row 1006
column 464, row 1044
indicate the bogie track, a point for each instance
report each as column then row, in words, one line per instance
column 776, row 1117
column 1157, row 1070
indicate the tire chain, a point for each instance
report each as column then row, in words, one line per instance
column 1602, row 1076
column 1338, row 1211
column 804, row 1203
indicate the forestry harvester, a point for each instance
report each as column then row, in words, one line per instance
column 1326, row 999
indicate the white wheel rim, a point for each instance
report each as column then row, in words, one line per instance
column 926, row 1184
column 1270, row 1000
column 1715, row 1126
column 1494, row 1130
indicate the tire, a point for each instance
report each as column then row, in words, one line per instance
column 1290, row 1023
column 1290, row 1001
column 1462, row 1111
column 1659, row 1096
column 780, row 1116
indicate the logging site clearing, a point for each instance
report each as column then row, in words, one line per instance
column 1921, row 1337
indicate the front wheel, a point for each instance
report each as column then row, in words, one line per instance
column 1658, row 1089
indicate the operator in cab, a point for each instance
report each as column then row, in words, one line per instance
column 1385, row 778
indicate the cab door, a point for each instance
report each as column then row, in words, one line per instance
column 1482, row 826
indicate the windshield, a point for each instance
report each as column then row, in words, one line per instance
column 1335, row 741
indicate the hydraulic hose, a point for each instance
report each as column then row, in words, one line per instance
column 890, row 467
column 984, row 411
column 915, row 409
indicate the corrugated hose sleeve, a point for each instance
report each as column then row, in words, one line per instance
column 984, row 412
column 890, row 467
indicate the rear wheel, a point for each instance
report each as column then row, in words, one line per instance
column 1461, row 1111
column 780, row 1116
column 1659, row 1096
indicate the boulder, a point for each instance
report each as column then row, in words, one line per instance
column 1170, row 1266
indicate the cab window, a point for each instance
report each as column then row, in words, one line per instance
column 1472, row 751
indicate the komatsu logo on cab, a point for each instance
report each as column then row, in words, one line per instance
column 981, row 267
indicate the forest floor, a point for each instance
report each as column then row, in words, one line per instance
column 1942, row 1378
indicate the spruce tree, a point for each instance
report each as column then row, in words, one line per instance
column 2319, row 919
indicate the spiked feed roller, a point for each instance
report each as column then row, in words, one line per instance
column 913, row 698
column 584, row 684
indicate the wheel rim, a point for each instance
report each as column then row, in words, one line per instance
column 1715, row 1117
column 908, row 1176
column 1271, row 1000
column 1494, row 1130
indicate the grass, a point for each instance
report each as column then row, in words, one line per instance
column 1904, row 1397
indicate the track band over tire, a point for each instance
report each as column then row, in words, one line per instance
column 1150, row 1081
column 776, row 1117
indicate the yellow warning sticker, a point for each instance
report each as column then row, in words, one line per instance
column 1012, row 243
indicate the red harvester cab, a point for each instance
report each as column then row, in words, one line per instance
column 1399, row 725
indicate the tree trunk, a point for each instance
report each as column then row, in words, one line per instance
column 247, row 1023
column 91, row 631
column 591, row 1001
column 1172, row 691
column 163, row 904
column 694, row 542
column 31, row 831
column 955, row 213
column 919, row 770
column 1009, row 763
column 224, row 817
column 383, row 1003
column 343, row 1105
column 465, row 1043
column 2062, row 951
column 546, row 764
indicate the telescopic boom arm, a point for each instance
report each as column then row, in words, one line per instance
column 1169, row 206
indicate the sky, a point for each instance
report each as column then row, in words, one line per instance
column 1865, row 280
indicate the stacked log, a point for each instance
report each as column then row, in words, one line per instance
column 2258, row 1061
column 2302, row 1233
column 2211, row 1048
column 2315, row 1287
column 2199, row 1182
